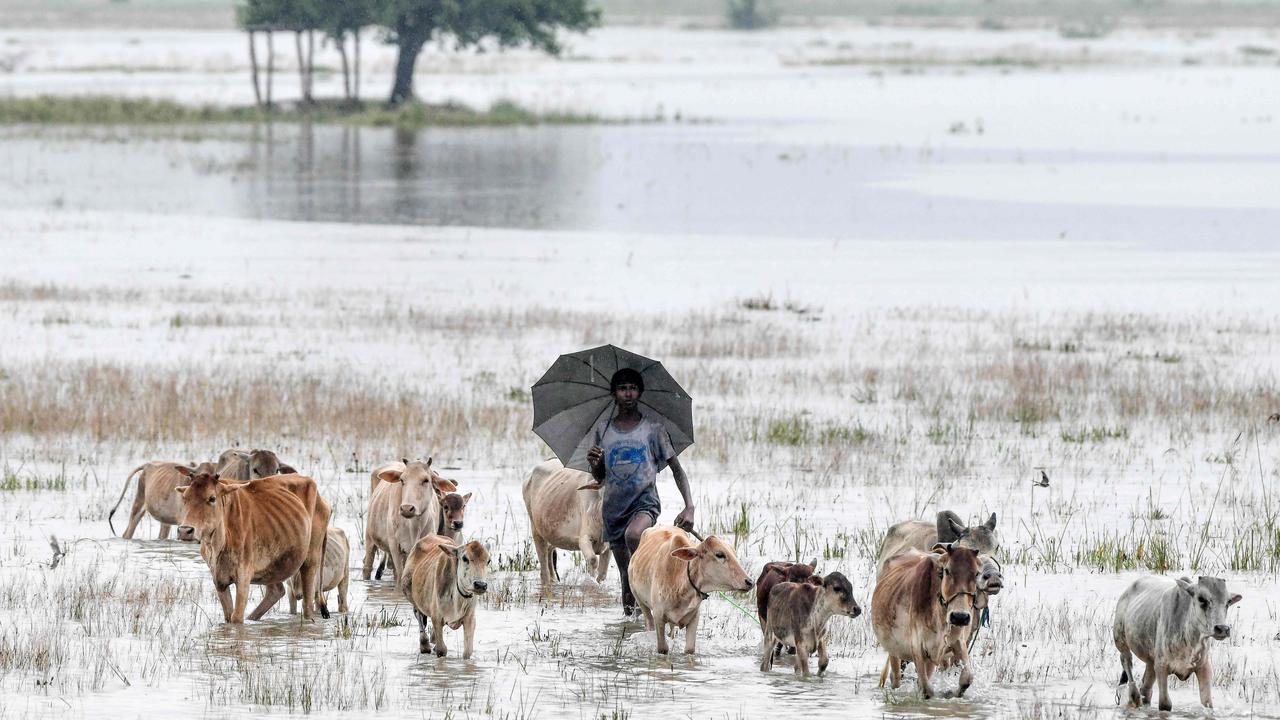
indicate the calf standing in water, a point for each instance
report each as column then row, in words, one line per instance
column 629, row 453
column 798, row 614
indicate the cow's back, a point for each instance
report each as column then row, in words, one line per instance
column 429, row 571
column 653, row 572
column 160, row 481
column 337, row 553
column 1139, row 613
column 269, row 526
column 904, row 536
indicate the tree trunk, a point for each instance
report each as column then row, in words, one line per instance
column 302, row 67
column 311, row 64
column 410, row 45
column 341, row 40
column 355, row 91
column 253, row 70
column 271, row 64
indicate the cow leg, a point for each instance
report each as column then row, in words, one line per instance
column 308, row 578
column 424, row 642
column 437, row 636
column 369, row 549
column 274, row 592
column 802, row 657
column 966, row 675
column 1204, row 677
column 468, row 633
column 544, row 562
column 823, row 658
column 224, row 599
column 1162, row 679
column 587, row 548
column 1126, row 667
column 136, row 512
column 895, row 672
column 660, row 625
column 602, row 565
column 242, row 597
column 691, row 633
column 382, row 567
column 397, row 562
column 766, row 662
column 164, row 531
column 1148, row 681
column 648, row 616
column 293, row 596
column 342, row 590
column 924, row 669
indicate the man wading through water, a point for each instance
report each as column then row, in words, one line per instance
column 630, row 451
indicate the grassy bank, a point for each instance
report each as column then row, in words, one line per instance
column 107, row 110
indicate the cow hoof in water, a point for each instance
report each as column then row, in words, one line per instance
column 441, row 651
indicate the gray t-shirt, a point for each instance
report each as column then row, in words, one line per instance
column 632, row 461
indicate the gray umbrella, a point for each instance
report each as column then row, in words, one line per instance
column 571, row 402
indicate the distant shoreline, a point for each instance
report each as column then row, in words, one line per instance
column 112, row 110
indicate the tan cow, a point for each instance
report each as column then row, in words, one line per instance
column 441, row 581
column 154, row 495
column 948, row 528
column 671, row 576
column 564, row 513
column 920, row 608
column 336, row 573
column 260, row 533
column 405, row 507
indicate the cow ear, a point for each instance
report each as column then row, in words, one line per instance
column 466, row 499
column 181, row 489
column 404, row 461
column 940, row 548
column 1234, row 599
column 390, row 475
column 443, row 486
column 813, row 564
column 990, row 524
column 428, row 462
column 686, row 553
column 1186, row 584
column 592, row 486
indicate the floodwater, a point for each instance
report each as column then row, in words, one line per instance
column 930, row 242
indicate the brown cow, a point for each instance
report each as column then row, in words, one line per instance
column 948, row 528
column 233, row 464
column 336, row 573
column 441, row 581
column 154, row 495
column 779, row 572
column 259, row 533
column 798, row 614
column 405, row 507
column 453, row 510
column 264, row 463
column 564, row 513
column 671, row 576
column 920, row 608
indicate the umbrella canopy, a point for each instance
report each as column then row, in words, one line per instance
column 571, row 402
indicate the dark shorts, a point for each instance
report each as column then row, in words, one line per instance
column 615, row 523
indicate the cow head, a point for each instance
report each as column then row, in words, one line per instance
column 957, row 569
column 713, row 566
column 837, row 595
column 472, row 562
column 202, row 501
column 454, row 507
column 263, row 463
column 233, row 464
column 1209, row 602
column 423, row 487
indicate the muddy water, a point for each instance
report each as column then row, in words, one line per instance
column 735, row 180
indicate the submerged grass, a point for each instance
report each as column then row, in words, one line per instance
column 111, row 110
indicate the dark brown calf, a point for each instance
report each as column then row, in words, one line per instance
column 798, row 614
column 779, row 572
column 453, row 510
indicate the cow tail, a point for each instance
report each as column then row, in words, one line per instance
column 119, row 500
column 1124, row 678
column 554, row 569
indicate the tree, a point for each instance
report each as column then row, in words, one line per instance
column 412, row 23
column 338, row 19
column 299, row 16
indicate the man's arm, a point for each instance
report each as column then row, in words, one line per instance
column 685, row 519
column 595, row 460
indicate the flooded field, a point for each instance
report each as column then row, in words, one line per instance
column 882, row 307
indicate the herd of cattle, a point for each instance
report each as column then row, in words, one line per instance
column 259, row 522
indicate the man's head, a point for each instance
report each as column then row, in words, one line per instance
column 626, row 386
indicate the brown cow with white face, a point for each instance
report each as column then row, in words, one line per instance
column 260, row 533
column 405, row 507
column 922, row 604
column 671, row 576
column 442, row 580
